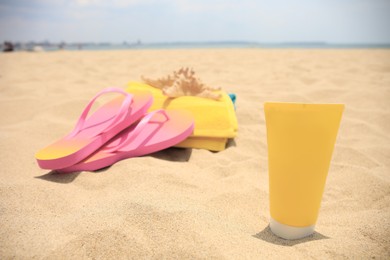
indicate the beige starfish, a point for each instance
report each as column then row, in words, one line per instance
column 182, row 83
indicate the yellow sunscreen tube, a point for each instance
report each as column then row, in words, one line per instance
column 301, row 139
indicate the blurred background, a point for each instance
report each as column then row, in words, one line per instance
column 79, row 24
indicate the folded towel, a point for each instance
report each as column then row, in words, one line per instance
column 215, row 120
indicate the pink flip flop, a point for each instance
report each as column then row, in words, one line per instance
column 156, row 131
column 91, row 133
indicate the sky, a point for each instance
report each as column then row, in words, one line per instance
column 267, row 21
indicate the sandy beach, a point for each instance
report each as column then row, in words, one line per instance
column 183, row 203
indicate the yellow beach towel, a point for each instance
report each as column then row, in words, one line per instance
column 215, row 120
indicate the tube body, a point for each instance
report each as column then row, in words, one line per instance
column 301, row 139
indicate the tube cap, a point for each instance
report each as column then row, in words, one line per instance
column 290, row 232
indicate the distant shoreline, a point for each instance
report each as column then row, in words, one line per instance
column 46, row 46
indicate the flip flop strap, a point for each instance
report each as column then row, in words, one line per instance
column 124, row 109
column 139, row 128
